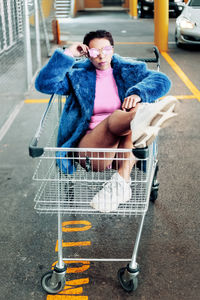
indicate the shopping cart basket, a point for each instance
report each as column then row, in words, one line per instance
column 62, row 192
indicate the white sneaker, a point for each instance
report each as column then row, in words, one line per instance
column 150, row 118
column 114, row 192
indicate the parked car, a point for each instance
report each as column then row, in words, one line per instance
column 188, row 24
column 146, row 7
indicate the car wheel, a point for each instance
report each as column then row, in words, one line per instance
column 177, row 13
column 139, row 8
column 141, row 12
column 178, row 44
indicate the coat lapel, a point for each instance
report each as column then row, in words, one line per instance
column 126, row 74
column 84, row 84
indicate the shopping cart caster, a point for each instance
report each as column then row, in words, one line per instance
column 53, row 281
column 128, row 278
column 155, row 186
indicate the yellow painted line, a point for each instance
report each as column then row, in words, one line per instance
column 86, row 226
column 39, row 101
column 125, row 43
column 134, row 43
column 36, row 100
column 80, row 266
column 182, row 75
column 181, row 97
column 73, row 287
column 73, row 244
column 185, row 97
column 29, row 101
column 78, row 281
column 65, row 297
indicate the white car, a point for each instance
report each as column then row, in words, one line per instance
column 188, row 24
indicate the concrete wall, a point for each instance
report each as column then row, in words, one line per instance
column 81, row 4
column 47, row 6
column 126, row 4
column 92, row 4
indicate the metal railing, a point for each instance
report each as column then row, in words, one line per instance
column 24, row 42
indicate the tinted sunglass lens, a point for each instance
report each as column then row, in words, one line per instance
column 93, row 52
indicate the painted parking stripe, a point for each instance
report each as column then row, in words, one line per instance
column 6, row 126
column 125, row 43
column 42, row 100
column 39, row 101
column 182, row 75
column 134, row 43
column 46, row 100
column 182, row 97
column 73, row 244
column 74, row 288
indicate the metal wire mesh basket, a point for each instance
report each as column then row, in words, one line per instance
column 58, row 190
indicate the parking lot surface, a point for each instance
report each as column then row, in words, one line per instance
column 169, row 248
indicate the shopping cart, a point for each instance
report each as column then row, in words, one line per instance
column 62, row 192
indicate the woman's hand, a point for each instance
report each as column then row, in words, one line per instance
column 78, row 49
column 130, row 102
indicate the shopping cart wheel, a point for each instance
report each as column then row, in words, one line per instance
column 50, row 284
column 154, row 186
column 128, row 285
column 154, row 193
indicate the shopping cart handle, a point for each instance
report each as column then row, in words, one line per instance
column 35, row 151
column 157, row 54
column 141, row 153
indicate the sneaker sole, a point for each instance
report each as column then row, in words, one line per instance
column 161, row 120
column 168, row 112
column 144, row 141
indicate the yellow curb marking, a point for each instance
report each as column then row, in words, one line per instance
column 182, row 75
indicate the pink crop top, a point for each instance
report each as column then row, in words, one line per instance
column 106, row 97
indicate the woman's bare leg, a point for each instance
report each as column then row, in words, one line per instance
column 125, row 166
column 110, row 133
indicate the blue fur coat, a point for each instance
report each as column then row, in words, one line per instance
column 77, row 79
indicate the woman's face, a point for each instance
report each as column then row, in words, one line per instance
column 101, row 53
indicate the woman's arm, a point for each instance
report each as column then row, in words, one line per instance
column 150, row 85
column 52, row 78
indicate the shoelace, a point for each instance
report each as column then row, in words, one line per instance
column 106, row 186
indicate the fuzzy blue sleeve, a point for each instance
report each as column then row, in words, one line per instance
column 52, row 78
column 150, row 86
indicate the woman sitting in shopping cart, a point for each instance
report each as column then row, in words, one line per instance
column 106, row 106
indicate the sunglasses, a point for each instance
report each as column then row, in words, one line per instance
column 93, row 52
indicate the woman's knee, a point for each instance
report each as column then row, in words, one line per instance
column 112, row 121
column 118, row 123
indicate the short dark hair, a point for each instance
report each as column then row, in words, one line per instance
column 98, row 34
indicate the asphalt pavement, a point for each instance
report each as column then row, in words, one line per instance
column 169, row 256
